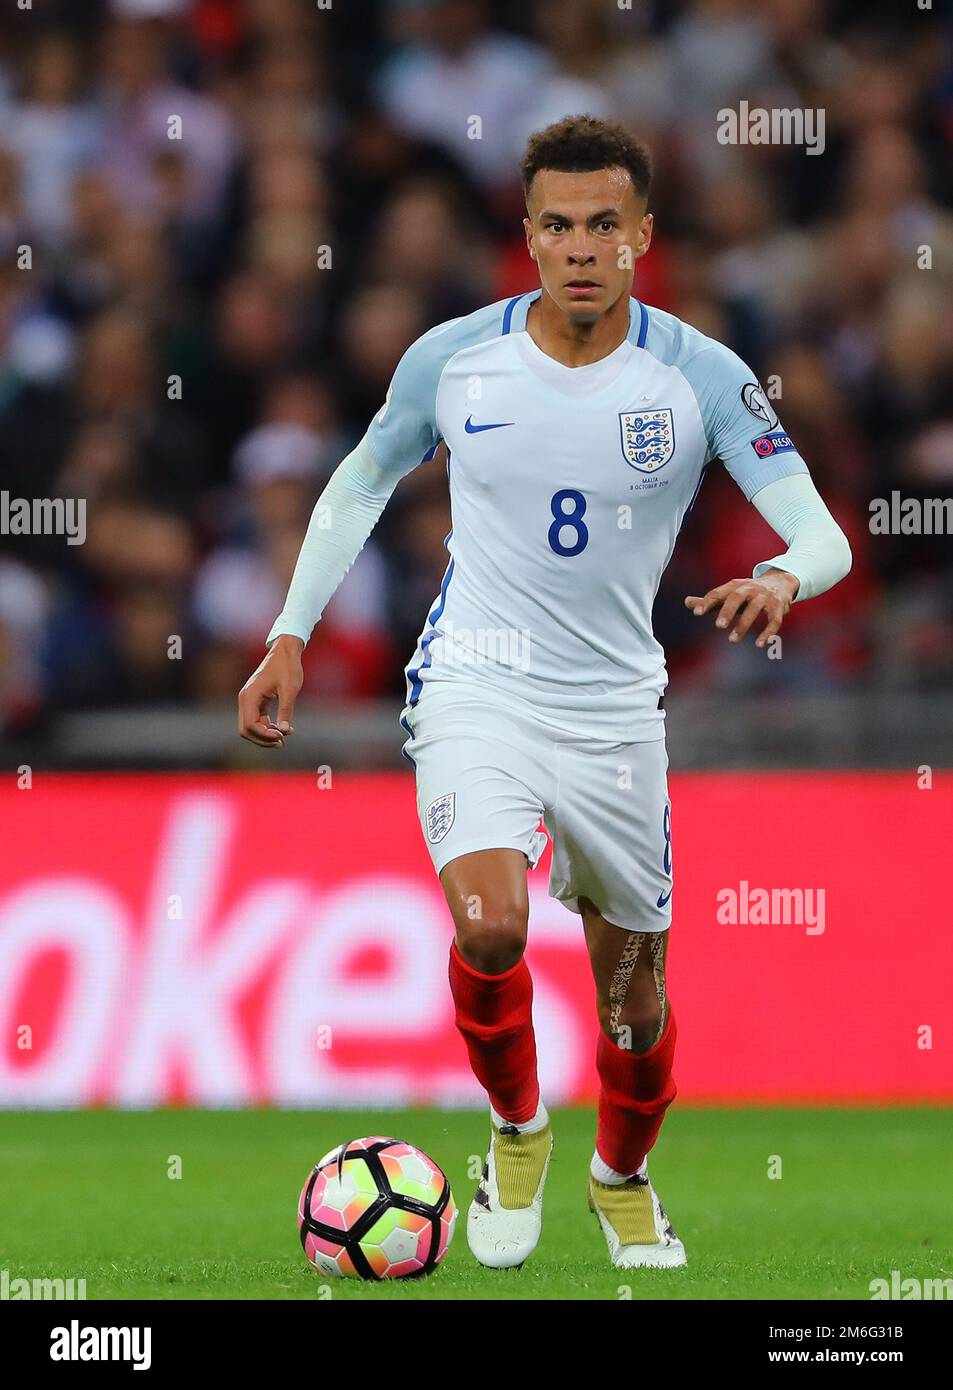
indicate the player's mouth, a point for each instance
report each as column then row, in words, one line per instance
column 580, row 289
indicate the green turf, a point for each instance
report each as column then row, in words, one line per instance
column 862, row 1192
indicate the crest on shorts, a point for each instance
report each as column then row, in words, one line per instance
column 440, row 814
column 648, row 438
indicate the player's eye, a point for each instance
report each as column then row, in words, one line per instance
column 555, row 226
column 606, row 226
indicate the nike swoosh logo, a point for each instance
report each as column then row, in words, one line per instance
column 663, row 898
column 478, row 429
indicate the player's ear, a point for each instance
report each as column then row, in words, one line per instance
column 528, row 229
column 645, row 234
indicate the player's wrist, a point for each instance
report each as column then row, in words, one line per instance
column 783, row 581
column 289, row 642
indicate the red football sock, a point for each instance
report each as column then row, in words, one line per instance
column 494, row 1014
column 636, row 1089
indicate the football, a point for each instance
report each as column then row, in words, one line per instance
column 376, row 1208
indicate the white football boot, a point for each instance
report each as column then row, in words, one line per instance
column 633, row 1221
column 506, row 1214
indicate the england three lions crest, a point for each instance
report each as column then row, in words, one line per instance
column 648, row 438
column 440, row 814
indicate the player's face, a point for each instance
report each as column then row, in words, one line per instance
column 585, row 232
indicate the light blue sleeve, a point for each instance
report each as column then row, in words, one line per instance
column 818, row 552
column 741, row 426
column 404, row 431
column 344, row 516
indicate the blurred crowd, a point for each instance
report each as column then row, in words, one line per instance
column 238, row 213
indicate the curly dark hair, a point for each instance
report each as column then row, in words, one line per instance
column 578, row 144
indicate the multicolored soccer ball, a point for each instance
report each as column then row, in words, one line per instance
column 376, row 1209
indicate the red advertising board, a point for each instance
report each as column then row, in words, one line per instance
column 238, row 939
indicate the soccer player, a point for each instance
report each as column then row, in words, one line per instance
column 579, row 423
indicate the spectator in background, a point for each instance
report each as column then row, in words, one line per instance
column 456, row 69
column 108, row 640
column 576, row 36
column 54, row 131
column 139, row 99
column 423, row 234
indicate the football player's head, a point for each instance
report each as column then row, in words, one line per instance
column 586, row 183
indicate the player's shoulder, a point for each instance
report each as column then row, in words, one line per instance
column 703, row 360
column 405, row 426
column 431, row 352
column 728, row 395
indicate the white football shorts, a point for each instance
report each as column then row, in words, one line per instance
column 487, row 774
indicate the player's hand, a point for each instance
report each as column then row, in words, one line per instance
column 771, row 596
column 279, row 677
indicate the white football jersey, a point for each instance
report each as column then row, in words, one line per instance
column 568, row 486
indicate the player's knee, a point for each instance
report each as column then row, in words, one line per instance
column 494, row 940
column 635, row 1027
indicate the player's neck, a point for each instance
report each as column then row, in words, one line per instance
column 577, row 344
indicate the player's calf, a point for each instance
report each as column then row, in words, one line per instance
column 493, row 996
column 494, row 1017
column 636, row 1090
column 489, row 979
column 634, row 1057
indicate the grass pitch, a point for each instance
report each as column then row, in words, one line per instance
column 861, row 1192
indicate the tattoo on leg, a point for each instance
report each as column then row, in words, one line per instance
column 658, row 971
column 621, row 976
